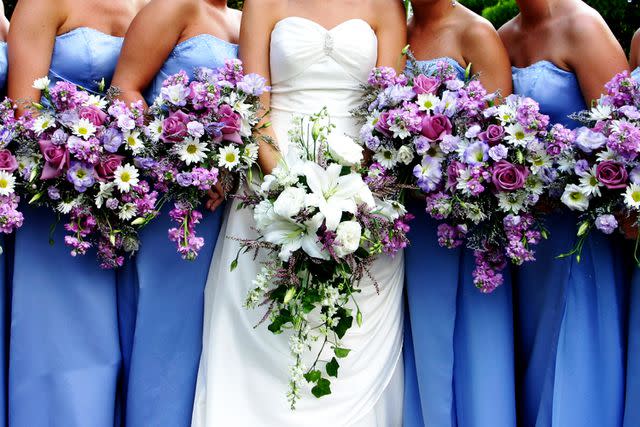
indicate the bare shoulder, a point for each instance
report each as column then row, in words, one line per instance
column 509, row 29
column 175, row 8
column 584, row 22
column 388, row 12
column 477, row 30
column 268, row 7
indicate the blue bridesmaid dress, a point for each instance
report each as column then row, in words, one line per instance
column 458, row 342
column 64, row 345
column 569, row 318
column 162, row 313
column 6, row 261
column 632, row 409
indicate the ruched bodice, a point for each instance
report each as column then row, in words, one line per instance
column 85, row 56
column 312, row 67
column 430, row 66
column 203, row 50
column 3, row 65
column 556, row 90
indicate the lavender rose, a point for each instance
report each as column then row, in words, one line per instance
column 108, row 165
column 509, row 177
column 8, row 162
column 423, row 84
column 612, row 175
column 382, row 125
column 435, row 127
column 492, row 135
column 96, row 116
column 174, row 127
column 56, row 159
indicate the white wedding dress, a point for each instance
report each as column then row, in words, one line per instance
column 243, row 374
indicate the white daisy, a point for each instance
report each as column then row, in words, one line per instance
column 250, row 153
column 474, row 213
column 607, row 155
column 387, row 157
column 517, row 135
column 154, row 129
column 632, row 196
column 566, row 164
column 192, row 151
column 534, row 185
column 229, row 157
column 96, row 101
column 105, row 192
column 43, row 123
column 7, row 183
column 427, row 102
column 600, row 112
column 506, row 113
column 133, row 141
column 41, row 83
column 511, row 202
column 65, row 207
column 126, row 177
column 127, row 211
column 589, row 184
column 84, row 129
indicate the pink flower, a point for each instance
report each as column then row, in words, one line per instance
column 435, row 127
column 231, row 124
column 96, row 116
column 612, row 174
column 509, row 177
column 56, row 159
column 492, row 135
column 423, row 84
column 108, row 165
column 8, row 162
column 174, row 127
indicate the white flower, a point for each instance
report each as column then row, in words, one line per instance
column 506, row 113
column 263, row 214
column 589, row 184
column 43, row 123
column 105, row 192
column 390, row 209
column 41, row 83
column 387, row 157
column 474, row 213
column 66, row 207
column 333, row 194
column 290, row 202
column 405, row 154
column 195, row 129
column 344, row 150
column 607, row 155
column 7, row 183
column 133, row 141
column 96, row 101
column 127, row 211
column 511, row 202
column 348, row 236
column 517, row 135
column 192, row 151
column 229, row 157
column 126, row 177
column 574, row 198
column 600, row 112
column 292, row 236
column 154, row 129
column 250, row 153
column 632, row 196
column 427, row 102
column 566, row 163
column 84, row 129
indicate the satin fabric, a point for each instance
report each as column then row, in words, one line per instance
column 243, row 376
column 64, row 347
column 458, row 342
column 569, row 313
column 6, row 263
column 4, row 64
column 632, row 409
column 162, row 298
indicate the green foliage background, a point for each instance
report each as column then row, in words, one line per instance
column 623, row 16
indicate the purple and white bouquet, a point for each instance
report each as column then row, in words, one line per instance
column 201, row 132
column 319, row 229
column 481, row 165
column 10, row 216
column 600, row 170
column 77, row 158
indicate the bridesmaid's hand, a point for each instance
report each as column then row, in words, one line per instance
column 216, row 197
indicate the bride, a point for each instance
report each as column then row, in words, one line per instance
column 316, row 53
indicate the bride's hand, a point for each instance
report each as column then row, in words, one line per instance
column 216, row 197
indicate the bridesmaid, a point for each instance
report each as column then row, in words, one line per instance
column 569, row 321
column 162, row 303
column 632, row 410
column 448, row 379
column 64, row 345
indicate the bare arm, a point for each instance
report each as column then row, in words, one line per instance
column 488, row 57
column 4, row 23
column 391, row 29
column 634, row 58
column 258, row 19
column 153, row 34
column 31, row 38
column 594, row 54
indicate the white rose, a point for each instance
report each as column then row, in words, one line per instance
column 344, row 150
column 290, row 202
column 348, row 236
column 263, row 214
column 405, row 154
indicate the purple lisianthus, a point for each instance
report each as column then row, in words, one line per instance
column 581, row 167
column 449, row 144
column 509, row 177
column 59, row 137
column 428, row 174
column 588, row 141
column 253, row 84
column 145, row 163
column 606, row 223
column 612, row 175
column 476, row 153
column 421, row 144
column 184, row 179
column 81, row 176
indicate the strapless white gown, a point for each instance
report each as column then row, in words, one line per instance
column 243, row 375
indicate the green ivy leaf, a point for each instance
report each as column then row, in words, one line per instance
column 323, row 388
column 332, row 368
column 344, row 324
column 313, row 376
column 341, row 352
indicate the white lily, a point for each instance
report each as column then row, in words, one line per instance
column 291, row 236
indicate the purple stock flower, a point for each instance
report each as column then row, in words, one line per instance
column 606, row 223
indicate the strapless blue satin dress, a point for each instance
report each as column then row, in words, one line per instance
column 632, row 409
column 6, row 262
column 569, row 314
column 162, row 303
column 458, row 347
column 64, row 345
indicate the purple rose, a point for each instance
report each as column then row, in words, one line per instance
column 108, row 165
column 509, row 177
column 174, row 127
column 382, row 125
column 612, row 175
column 56, row 159
column 435, row 127
column 8, row 162
column 492, row 135
column 453, row 173
column 231, row 123
column 423, row 84
column 94, row 115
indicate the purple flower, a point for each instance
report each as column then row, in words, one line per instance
column 499, row 152
column 56, row 159
column 8, row 162
column 195, row 129
column 606, row 223
column 428, row 173
column 582, row 167
column 144, row 162
column 449, row 144
column 588, row 141
column 476, row 153
column 634, row 175
column 59, row 137
column 107, row 166
column 421, row 144
column 423, row 84
column 253, row 84
column 450, row 236
column 492, row 135
column 54, row 193
column 111, row 140
column 436, row 126
column 509, row 177
column 612, row 175
column 184, row 179
column 81, row 176
column 174, row 127
column 112, row 204
column 231, row 124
